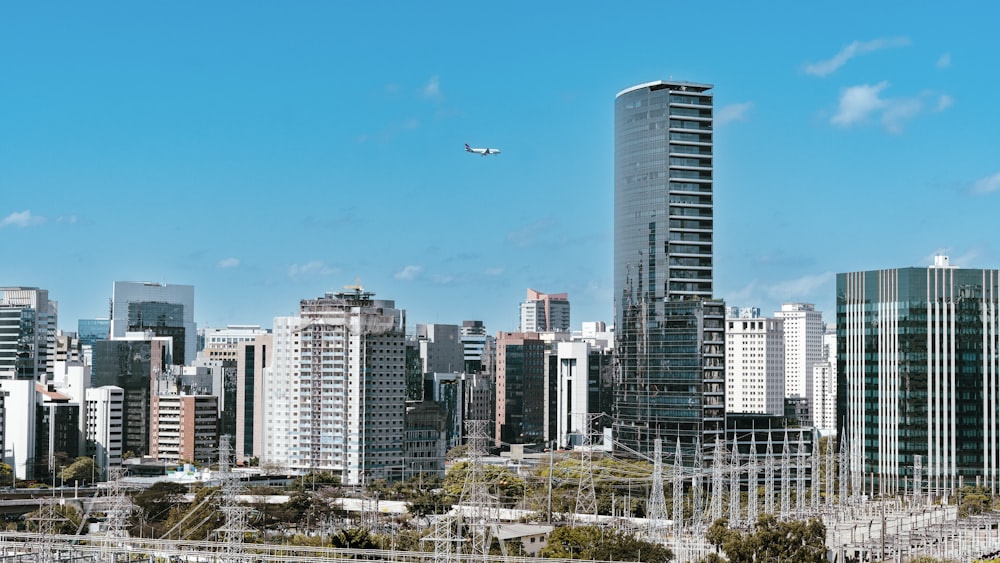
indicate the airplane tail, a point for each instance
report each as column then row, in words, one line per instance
column 467, row 147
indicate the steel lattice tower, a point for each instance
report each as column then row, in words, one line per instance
column 697, row 502
column 233, row 531
column 476, row 498
column 718, row 480
column 119, row 509
column 831, row 472
column 786, row 479
column 734, row 484
column 752, row 483
column 678, row 492
column 769, row 476
column 656, row 506
column 586, row 498
column 845, row 472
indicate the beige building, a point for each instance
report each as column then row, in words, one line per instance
column 185, row 428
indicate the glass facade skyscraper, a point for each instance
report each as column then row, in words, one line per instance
column 670, row 380
column 919, row 375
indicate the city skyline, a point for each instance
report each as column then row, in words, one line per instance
column 266, row 157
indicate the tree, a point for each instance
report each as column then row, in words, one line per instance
column 798, row 540
column 6, row 474
column 431, row 502
column 355, row 538
column 82, row 470
column 593, row 542
column 157, row 500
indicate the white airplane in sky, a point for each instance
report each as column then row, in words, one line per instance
column 482, row 152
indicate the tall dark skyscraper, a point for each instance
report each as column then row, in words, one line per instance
column 670, row 380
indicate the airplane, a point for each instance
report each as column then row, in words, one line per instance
column 482, row 152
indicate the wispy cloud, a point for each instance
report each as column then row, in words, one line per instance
column 987, row 185
column 493, row 272
column 823, row 68
column 227, row 263
column 528, row 235
column 408, row 273
column 944, row 102
column 732, row 112
column 21, row 219
column 944, row 61
column 433, row 88
column 313, row 268
column 858, row 102
column 804, row 287
column 898, row 112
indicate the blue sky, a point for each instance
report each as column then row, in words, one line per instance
column 269, row 152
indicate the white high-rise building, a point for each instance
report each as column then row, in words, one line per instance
column 572, row 392
column 19, row 425
column 755, row 365
column 803, row 349
column 335, row 396
column 825, row 386
column 105, row 426
column 543, row 312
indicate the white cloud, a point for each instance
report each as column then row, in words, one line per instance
column 944, row 102
column 21, row 219
column 732, row 112
column 493, row 272
column 529, row 235
column 857, row 102
column 823, row 68
column 898, row 112
column 944, row 61
column 228, row 263
column 313, row 268
column 987, row 185
column 801, row 288
column 433, row 88
column 408, row 273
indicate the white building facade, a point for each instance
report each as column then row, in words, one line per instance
column 825, row 386
column 335, row 395
column 803, row 349
column 755, row 365
column 105, row 426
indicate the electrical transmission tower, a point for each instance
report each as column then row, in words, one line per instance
column 845, row 471
column 118, row 509
column 831, row 471
column 752, row 483
column 734, row 483
column 678, row 492
column 718, row 480
column 786, row 483
column 697, row 502
column 476, row 497
column 656, row 506
column 769, row 476
column 234, row 530
column 586, row 498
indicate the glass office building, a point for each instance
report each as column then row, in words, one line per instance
column 670, row 381
column 918, row 363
